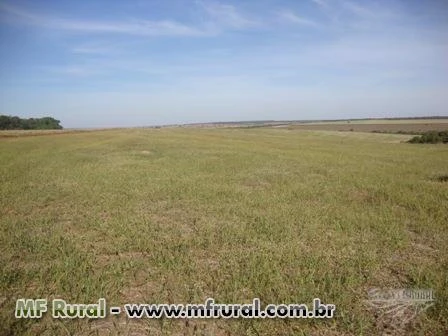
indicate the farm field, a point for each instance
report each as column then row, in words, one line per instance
column 411, row 126
column 27, row 133
column 433, row 120
column 177, row 215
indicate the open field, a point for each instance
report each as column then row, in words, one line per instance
column 404, row 126
column 24, row 133
column 179, row 215
column 388, row 121
column 386, row 126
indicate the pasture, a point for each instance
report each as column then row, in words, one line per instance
column 178, row 215
column 403, row 126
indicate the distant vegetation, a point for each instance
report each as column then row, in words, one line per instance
column 431, row 137
column 17, row 123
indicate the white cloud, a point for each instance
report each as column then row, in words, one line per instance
column 132, row 27
column 137, row 27
column 80, row 71
column 358, row 9
column 91, row 50
column 321, row 3
column 361, row 53
column 290, row 16
column 373, row 13
column 227, row 15
column 219, row 17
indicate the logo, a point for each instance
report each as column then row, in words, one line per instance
column 396, row 308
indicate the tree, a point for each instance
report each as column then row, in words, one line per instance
column 16, row 123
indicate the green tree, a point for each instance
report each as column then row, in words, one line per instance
column 16, row 123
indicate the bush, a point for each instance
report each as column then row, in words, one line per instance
column 431, row 137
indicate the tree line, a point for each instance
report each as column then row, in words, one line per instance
column 17, row 123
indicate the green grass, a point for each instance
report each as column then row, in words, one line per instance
column 179, row 215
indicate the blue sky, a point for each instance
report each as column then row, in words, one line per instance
column 146, row 62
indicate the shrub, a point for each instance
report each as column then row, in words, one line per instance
column 431, row 137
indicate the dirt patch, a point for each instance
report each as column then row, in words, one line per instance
column 255, row 184
column 360, row 195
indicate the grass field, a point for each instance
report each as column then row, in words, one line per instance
column 410, row 126
column 179, row 215
column 386, row 121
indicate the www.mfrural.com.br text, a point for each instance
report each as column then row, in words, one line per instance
column 60, row 309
